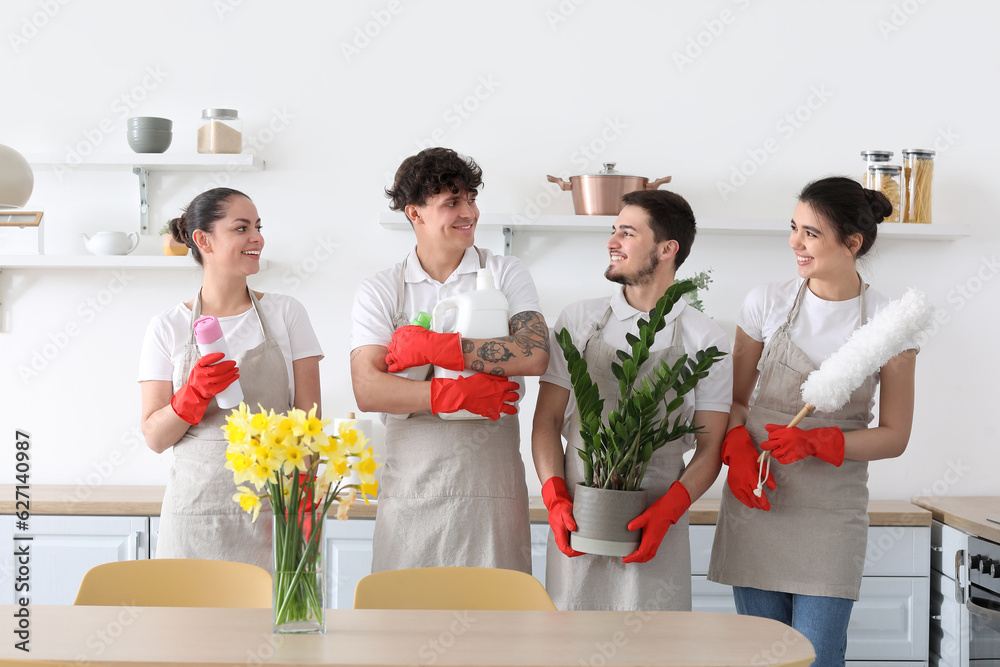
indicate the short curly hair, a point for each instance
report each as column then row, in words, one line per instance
column 428, row 173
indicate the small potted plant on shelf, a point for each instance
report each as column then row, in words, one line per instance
column 171, row 246
column 617, row 449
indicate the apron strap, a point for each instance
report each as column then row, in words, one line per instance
column 400, row 319
column 254, row 304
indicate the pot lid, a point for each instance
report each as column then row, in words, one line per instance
column 609, row 170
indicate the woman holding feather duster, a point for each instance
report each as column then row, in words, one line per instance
column 795, row 552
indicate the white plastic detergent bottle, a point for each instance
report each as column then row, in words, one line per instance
column 482, row 313
column 419, row 373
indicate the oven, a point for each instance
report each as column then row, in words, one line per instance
column 982, row 600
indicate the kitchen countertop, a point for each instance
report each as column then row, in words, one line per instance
column 968, row 513
column 112, row 500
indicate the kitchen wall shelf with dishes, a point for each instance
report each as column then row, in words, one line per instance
column 143, row 163
column 510, row 223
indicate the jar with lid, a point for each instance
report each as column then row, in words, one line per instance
column 870, row 158
column 221, row 131
column 888, row 179
column 918, row 172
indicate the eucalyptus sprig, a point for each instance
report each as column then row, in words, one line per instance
column 615, row 454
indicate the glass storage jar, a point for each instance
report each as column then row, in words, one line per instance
column 918, row 172
column 888, row 179
column 221, row 131
column 870, row 158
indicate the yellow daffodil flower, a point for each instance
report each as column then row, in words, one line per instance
column 369, row 490
column 344, row 504
column 295, row 459
column 248, row 500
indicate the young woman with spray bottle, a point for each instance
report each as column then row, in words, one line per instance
column 272, row 351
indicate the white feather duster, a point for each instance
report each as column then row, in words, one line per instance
column 891, row 331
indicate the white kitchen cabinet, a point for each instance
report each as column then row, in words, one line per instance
column 348, row 557
column 949, row 627
column 63, row 548
column 539, row 543
column 889, row 621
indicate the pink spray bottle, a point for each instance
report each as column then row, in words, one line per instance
column 208, row 333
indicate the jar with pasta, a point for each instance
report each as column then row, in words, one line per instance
column 888, row 179
column 221, row 131
column 918, row 172
column 870, row 158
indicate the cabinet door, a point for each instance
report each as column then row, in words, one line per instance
column 348, row 554
column 63, row 548
column 890, row 620
column 709, row 596
column 539, row 544
column 948, row 617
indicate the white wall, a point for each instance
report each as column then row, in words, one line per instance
column 535, row 82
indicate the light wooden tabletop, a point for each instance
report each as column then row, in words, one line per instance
column 188, row 636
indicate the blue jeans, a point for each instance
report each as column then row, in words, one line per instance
column 822, row 620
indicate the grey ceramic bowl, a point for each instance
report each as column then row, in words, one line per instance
column 150, row 123
column 149, row 141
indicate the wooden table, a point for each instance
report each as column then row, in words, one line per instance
column 188, row 636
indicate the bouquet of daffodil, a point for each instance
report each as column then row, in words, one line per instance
column 290, row 461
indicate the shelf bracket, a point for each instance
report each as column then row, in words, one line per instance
column 143, row 175
column 508, row 241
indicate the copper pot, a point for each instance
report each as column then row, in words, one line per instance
column 601, row 193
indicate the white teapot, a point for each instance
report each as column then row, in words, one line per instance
column 111, row 243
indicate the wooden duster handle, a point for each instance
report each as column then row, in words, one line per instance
column 765, row 455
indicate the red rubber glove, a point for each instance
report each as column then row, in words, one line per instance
column 414, row 345
column 484, row 394
column 740, row 455
column 555, row 495
column 207, row 379
column 788, row 445
column 655, row 521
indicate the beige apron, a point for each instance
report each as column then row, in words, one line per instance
column 199, row 518
column 813, row 539
column 604, row 582
column 452, row 492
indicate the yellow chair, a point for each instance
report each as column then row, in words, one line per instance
column 176, row 582
column 451, row 588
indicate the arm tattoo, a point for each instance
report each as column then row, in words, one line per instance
column 495, row 352
column 528, row 332
column 467, row 346
column 478, row 366
column 355, row 353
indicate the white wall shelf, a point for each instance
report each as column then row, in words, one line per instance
column 101, row 262
column 510, row 223
column 143, row 163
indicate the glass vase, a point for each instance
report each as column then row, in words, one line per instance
column 298, row 602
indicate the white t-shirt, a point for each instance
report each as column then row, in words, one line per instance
column 168, row 333
column 819, row 329
column 375, row 301
column 698, row 332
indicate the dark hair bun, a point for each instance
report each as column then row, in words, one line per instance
column 178, row 229
column 881, row 208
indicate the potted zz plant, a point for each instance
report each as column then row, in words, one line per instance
column 617, row 450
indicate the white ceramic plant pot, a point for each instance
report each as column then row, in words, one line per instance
column 602, row 517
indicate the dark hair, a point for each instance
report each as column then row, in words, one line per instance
column 202, row 213
column 428, row 173
column 670, row 217
column 848, row 208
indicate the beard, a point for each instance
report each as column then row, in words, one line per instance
column 642, row 276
